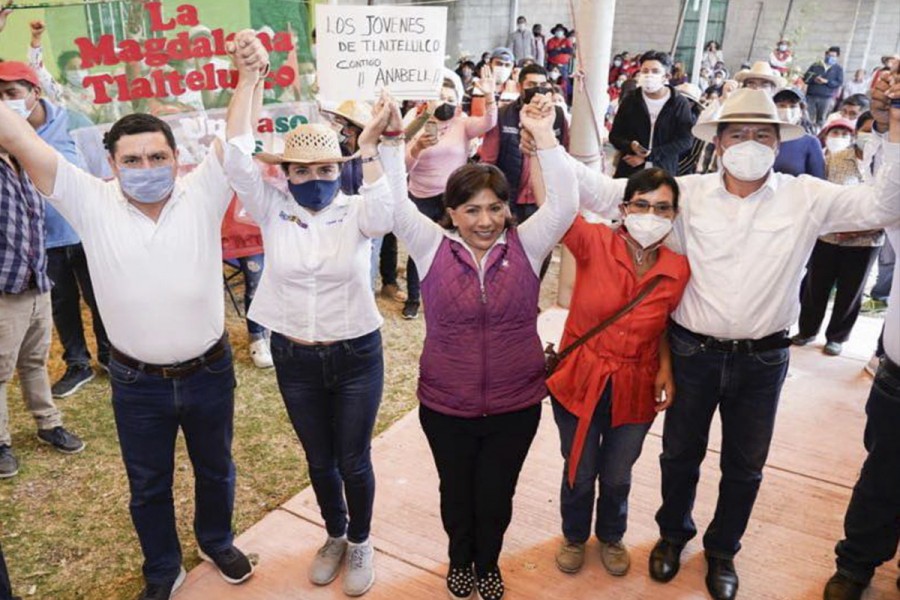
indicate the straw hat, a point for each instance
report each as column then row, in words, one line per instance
column 308, row 144
column 689, row 90
column 357, row 112
column 747, row 106
column 760, row 70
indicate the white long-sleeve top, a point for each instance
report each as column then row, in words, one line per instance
column 747, row 255
column 539, row 234
column 315, row 286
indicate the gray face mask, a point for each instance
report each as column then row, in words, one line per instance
column 147, row 186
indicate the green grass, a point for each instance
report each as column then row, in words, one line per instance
column 64, row 521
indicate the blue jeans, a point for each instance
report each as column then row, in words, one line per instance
column 332, row 394
column 745, row 388
column 67, row 268
column 608, row 456
column 252, row 268
column 872, row 523
column 886, row 259
column 374, row 261
column 433, row 208
column 148, row 412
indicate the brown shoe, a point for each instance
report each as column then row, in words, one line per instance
column 570, row 556
column 615, row 558
column 390, row 291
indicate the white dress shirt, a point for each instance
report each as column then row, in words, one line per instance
column 316, row 284
column 747, row 255
column 158, row 284
column 538, row 235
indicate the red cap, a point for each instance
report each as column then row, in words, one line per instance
column 11, row 70
column 835, row 123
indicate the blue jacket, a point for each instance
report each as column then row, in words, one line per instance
column 802, row 156
column 55, row 131
column 834, row 76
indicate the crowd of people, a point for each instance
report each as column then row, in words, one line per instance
column 732, row 213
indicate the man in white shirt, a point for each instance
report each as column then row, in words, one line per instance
column 154, row 250
column 747, row 233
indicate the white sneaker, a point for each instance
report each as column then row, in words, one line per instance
column 260, row 354
column 359, row 574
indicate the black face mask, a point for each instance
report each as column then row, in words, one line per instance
column 445, row 111
column 530, row 93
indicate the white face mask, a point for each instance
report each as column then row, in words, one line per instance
column 559, row 35
column 647, row 229
column 836, row 144
column 863, row 138
column 308, row 79
column 501, row 74
column 20, row 107
column 748, row 161
column 521, row 27
column 790, row 114
column 651, row 82
column 75, row 77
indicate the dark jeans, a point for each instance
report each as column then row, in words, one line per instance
column 831, row 265
column 522, row 212
column 252, row 268
column 332, row 394
column 433, row 208
column 67, row 268
column 478, row 461
column 388, row 262
column 148, row 411
column 886, row 259
column 819, row 107
column 5, row 585
column 608, row 456
column 745, row 388
column 872, row 523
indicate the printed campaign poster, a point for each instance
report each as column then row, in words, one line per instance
column 364, row 49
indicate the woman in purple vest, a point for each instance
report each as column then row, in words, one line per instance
column 481, row 374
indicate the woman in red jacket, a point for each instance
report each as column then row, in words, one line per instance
column 607, row 392
column 559, row 52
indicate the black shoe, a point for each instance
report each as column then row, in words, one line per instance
column 841, row 587
column 665, row 560
column 490, row 585
column 411, row 310
column 234, row 566
column 75, row 377
column 721, row 578
column 9, row 464
column 460, row 582
column 162, row 591
column 64, row 441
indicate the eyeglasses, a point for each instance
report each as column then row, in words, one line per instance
column 663, row 209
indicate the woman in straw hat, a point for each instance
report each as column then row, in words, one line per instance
column 481, row 376
column 316, row 299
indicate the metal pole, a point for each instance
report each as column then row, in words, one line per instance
column 868, row 49
column 678, row 30
column 701, row 37
column 787, row 16
column 852, row 35
column 513, row 15
column 755, row 31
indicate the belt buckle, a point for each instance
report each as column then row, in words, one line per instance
column 168, row 372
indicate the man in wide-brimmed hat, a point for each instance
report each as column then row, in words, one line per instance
column 760, row 76
column 747, row 233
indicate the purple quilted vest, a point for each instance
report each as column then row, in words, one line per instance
column 482, row 354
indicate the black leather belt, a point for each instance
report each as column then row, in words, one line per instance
column 892, row 368
column 776, row 341
column 175, row 370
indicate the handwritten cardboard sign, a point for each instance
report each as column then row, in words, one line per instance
column 362, row 49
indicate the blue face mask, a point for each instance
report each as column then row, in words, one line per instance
column 830, row 60
column 316, row 194
column 147, row 186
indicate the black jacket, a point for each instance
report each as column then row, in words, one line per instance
column 671, row 136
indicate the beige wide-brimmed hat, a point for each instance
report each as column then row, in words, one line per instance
column 359, row 113
column 689, row 90
column 308, row 144
column 761, row 70
column 747, row 106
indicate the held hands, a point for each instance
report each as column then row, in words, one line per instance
column 537, row 118
column 886, row 88
column 382, row 116
column 248, row 55
column 486, row 82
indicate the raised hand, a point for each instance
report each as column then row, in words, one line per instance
column 486, row 82
column 538, row 117
column 37, row 29
column 368, row 139
column 5, row 11
column 248, row 55
column 885, row 89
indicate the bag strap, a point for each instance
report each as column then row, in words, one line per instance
column 621, row 313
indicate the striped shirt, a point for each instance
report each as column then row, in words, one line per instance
column 23, row 261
